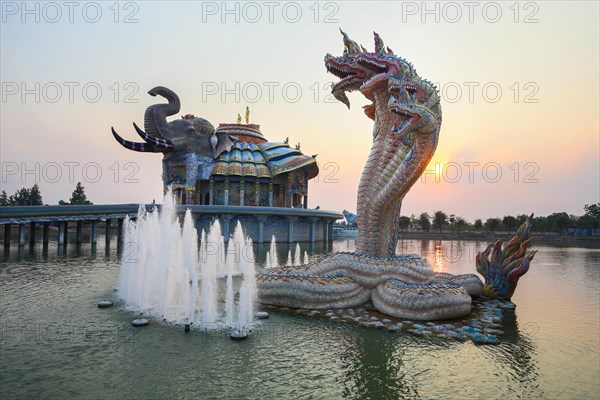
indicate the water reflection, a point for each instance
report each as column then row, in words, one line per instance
column 549, row 348
column 439, row 263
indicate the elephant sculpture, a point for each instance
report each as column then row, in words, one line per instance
column 188, row 135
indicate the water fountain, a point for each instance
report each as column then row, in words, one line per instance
column 272, row 254
column 166, row 275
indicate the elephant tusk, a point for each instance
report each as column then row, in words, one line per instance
column 141, row 147
column 163, row 143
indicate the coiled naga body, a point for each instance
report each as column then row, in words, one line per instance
column 407, row 117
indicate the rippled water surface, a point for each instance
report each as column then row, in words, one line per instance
column 56, row 343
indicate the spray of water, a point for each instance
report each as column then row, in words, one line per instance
column 273, row 253
column 297, row 255
column 165, row 274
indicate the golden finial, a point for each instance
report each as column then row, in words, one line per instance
column 239, row 119
column 247, row 115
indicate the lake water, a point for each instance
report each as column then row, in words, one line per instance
column 56, row 343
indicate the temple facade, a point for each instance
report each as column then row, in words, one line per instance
column 254, row 172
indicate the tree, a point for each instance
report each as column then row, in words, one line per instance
column 492, row 223
column 452, row 218
column 403, row 222
column 509, row 222
column 3, row 199
column 424, row 222
column 439, row 219
column 521, row 218
column 78, row 197
column 559, row 221
column 23, row 197
column 592, row 215
column 35, row 196
column 414, row 221
column 478, row 224
column 460, row 224
column 539, row 224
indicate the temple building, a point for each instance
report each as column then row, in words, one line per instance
column 254, row 172
column 233, row 174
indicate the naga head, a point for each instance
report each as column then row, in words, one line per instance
column 359, row 69
column 415, row 105
column 188, row 134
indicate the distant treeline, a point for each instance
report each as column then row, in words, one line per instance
column 33, row 197
column 556, row 222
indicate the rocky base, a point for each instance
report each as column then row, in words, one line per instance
column 484, row 324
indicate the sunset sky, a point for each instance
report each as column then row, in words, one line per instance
column 519, row 84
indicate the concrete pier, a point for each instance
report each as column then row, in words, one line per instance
column 260, row 223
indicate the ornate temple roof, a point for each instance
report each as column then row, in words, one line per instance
column 281, row 158
column 253, row 156
column 244, row 159
column 244, row 132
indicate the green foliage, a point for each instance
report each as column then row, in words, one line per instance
column 403, row 222
column 452, row 219
column 509, row 223
column 78, row 197
column 460, row 224
column 556, row 222
column 424, row 222
column 591, row 216
column 491, row 224
column 439, row 219
column 35, row 196
column 23, row 197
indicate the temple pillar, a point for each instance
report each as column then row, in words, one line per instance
column 120, row 230
column 107, row 231
column 313, row 229
column 330, row 231
column 225, row 222
column 79, row 235
column 291, row 221
column 325, row 231
column 45, row 233
column 7, row 235
column 257, row 192
column 242, row 192
column 226, row 192
column 94, row 236
column 261, row 228
column 270, row 194
column 211, row 191
column 21, row 234
column 32, row 232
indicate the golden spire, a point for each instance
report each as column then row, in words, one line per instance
column 239, row 119
column 247, row 115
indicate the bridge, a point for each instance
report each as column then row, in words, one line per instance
column 293, row 224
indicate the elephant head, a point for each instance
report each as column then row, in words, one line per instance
column 188, row 134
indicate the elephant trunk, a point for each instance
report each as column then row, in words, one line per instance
column 155, row 118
